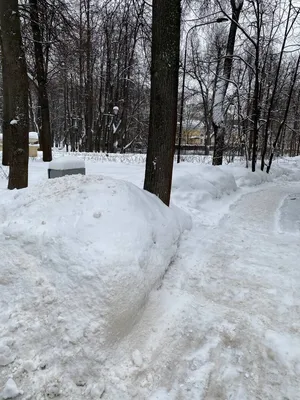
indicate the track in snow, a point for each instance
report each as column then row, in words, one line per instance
column 225, row 324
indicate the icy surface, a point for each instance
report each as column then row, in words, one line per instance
column 67, row 163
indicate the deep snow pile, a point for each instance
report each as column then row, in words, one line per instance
column 194, row 187
column 78, row 258
column 287, row 169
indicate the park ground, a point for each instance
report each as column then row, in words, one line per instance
column 106, row 293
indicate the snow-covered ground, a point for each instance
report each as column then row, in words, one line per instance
column 106, row 293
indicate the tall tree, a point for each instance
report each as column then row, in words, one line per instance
column 283, row 121
column 16, row 95
column 222, row 85
column 163, row 101
column 6, row 143
column 41, row 77
column 290, row 21
column 89, row 83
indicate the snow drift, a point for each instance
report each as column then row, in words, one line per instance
column 196, row 187
column 79, row 256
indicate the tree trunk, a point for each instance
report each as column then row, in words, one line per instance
column 163, row 101
column 219, row 145
column 45, row 133
column 16, row 95
column 6, row 143
column 89, row 83
column 222, row 87
column 256, row 110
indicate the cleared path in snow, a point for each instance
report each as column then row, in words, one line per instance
column 226, row 322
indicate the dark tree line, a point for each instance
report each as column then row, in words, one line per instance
column 93, row 87
column 89, row 80
column 97, row 64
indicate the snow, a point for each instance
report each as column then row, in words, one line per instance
column 86, row 224
column 63, row 163
column 14, row 122
column 106, row 293
column 10, row 390
column 86, row 251
column 6, row 356
column 196, row 187
column 137, row 358
column 284, row 346
column 289, row 217
column 33, row 136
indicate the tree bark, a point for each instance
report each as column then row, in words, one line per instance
column 163, row 102
column 6, row 143
column 16, row 95
column 89, row 83
column 256, row 108
column 218, row 145
column 219, row 130
column 41, row 77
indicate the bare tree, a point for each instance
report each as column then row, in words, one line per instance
column 16, row 93
column 290, row 21
column 287, row 107
column 41, row 77
column 222, row 84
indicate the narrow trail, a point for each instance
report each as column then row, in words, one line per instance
column 225, row 324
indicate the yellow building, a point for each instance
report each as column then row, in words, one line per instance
column 33, row 143
column 194, row 134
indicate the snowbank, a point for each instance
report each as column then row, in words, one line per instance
column 285, row 169
column 197, row 186
column 79, row 256
column 244, row 177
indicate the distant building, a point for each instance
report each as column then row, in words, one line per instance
column 193, row 134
